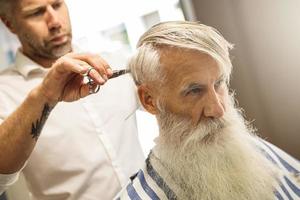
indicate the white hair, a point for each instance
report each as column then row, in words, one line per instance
column 218, row 159
column 145, row 64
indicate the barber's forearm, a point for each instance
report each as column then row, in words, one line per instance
column 20, row 131
column 63, row 82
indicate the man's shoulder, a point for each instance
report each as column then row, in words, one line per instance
column 13, row 88
column 147, row 183
column 278, row 157
column 8, row 76
column 140, row 186
column 9, row 71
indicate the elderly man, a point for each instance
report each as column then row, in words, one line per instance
column 205, row 149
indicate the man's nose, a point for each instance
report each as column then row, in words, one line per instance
column 213, row 107
column 53, row 19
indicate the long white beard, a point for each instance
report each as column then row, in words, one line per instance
column 215, row 161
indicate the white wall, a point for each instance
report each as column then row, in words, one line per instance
column 266, row 59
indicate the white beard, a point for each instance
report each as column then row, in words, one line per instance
column 214, row 161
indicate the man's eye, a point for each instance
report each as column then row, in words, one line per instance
column 194, row 91
column 218, row 84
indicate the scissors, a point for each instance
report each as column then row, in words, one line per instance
column 116, row 73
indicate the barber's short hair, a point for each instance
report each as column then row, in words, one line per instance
column 145, row 64
column 6, row 7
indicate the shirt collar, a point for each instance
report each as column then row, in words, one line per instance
column 25, row 65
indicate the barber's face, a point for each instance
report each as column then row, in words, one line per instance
column 194, row 87
column 43, row 27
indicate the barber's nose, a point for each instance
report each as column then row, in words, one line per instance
column 213, row 107
column 53, row 19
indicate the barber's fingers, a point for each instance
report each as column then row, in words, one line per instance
column 98, row 63
column 66, row 64
column 97, row 69
column 86, row 89
column 91, row 72
column 69, row 64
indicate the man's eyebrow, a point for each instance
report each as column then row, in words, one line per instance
column 222, row 77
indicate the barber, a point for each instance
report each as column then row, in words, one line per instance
column 81, row 150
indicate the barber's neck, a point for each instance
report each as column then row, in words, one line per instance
column 43, row 61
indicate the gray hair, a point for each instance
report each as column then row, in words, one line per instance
column 145, row 63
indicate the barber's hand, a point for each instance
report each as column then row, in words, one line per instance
column 64, row 81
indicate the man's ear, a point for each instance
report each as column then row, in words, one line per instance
column 7, row 23
column 148, row 99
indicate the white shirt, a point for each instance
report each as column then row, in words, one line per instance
column 148, row 184
column 84, row 147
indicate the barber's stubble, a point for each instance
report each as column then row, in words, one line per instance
column 216, row 160
column 45, row 48
column 41, row 37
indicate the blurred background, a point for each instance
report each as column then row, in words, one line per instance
column 266, row 60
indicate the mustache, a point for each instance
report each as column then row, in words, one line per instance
column 52, row 37
column 213, row 129
column 180, row 131
column 206, row 132
column 214, row 123
column 58, row 33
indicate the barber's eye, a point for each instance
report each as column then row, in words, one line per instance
column 56, row 5
column 37, row 13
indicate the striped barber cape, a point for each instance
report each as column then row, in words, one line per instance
column 147, row 184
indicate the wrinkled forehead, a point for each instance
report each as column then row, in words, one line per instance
column 34, row 3
column 188, row 62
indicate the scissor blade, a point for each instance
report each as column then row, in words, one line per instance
column 117, row 73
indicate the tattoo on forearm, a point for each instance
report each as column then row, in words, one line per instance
column 37, row 127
